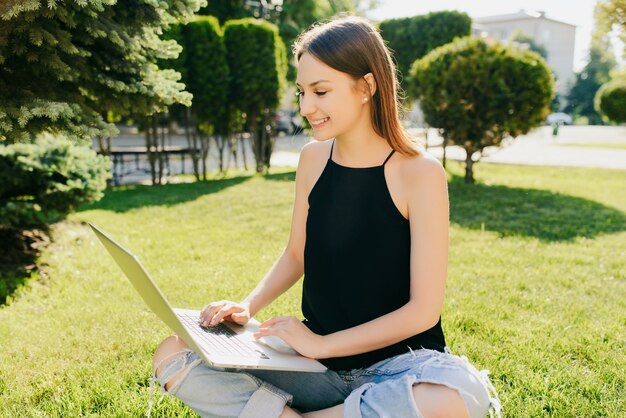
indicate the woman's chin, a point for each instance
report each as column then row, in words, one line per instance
column 322, row 136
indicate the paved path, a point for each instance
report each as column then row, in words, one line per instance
column 539, row 147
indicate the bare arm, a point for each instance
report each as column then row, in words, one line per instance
column 283, row 274
column 289, row 267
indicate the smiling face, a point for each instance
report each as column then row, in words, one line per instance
column 333, row 102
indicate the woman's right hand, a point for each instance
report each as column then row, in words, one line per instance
column 215, row 312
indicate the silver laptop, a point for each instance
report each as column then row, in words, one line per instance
column 225, row 345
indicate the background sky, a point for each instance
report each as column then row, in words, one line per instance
column 575, row 12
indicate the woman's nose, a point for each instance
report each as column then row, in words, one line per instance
column 306, row 107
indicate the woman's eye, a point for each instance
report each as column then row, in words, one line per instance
column 299, row 94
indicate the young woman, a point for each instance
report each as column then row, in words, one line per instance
column 370, row 234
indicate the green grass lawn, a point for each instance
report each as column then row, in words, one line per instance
column 536, row 289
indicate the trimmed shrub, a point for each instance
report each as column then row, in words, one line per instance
column 43, row 182
column 611, row 100
column 257, row 59
column 477, row 93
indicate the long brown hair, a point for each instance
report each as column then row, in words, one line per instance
column 354, row 46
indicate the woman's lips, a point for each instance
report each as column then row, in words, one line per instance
column 319, row 122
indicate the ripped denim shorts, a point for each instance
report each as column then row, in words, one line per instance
column 380, row 390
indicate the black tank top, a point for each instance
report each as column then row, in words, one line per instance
column 357, row 260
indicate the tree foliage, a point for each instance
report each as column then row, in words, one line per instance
column 209, row 80
column 292, row 17
column 225, row 10
column 64, row 64
column 611, row 100
column 295, row 17
column 45, row 181
column 208, row 71
column 258, row 65
column 611, row 14
column 413, row 37
column 477, row 94
column 600, row 63
column 580, row 99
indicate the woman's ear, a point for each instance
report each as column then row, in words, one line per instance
column 371, row 84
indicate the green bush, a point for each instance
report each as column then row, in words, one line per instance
column 411, row 38
column 257, row 59
column 43, row 182
column 478, row 94
column 611, row 100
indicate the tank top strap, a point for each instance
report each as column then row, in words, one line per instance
column 330, row 157
column 389, row 156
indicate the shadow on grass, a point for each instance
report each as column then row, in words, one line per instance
column 18, row 259
column 17, row 265
column 289, row 176
column 125, row 198
column 542, row 214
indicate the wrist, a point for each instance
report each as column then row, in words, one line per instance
column 248, row 304
column 325, row 348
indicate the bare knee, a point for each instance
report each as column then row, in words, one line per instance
column 165, row 354
column 169, row 346
column 439, row 401
column 289, row 413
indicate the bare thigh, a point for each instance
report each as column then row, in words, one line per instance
column 438, row 401
column 433, row 401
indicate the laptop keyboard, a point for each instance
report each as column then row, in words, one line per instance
column 220, row 339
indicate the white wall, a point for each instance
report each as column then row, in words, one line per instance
column 556, row 37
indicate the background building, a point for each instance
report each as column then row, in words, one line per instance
column 555, row 36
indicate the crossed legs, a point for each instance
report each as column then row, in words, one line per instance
column 433, row 401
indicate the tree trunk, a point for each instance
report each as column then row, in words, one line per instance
column 243, row 153
column 262, row 135
column 268, row 144
column 469, row 165
column 220, row 143
column 257, row 141
column 194, row 150
column 149, row 149
column 231, row 151
column 192, row 142
column 105, row 149
column 104, row 144
column 204, row 149
column 162, row 155
column 159, row 154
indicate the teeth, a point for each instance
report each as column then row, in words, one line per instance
column 319, row 121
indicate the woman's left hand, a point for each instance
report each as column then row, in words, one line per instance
column 294, row 333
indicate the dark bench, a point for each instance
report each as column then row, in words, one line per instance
column 124, row 156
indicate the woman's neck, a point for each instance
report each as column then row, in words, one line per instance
column 360, row 147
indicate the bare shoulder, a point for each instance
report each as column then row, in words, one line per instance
column 315, row 150
column 313, row 158
column 422, row 170
column 424, row 186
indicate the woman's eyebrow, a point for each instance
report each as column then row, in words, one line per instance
column 315, row 82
